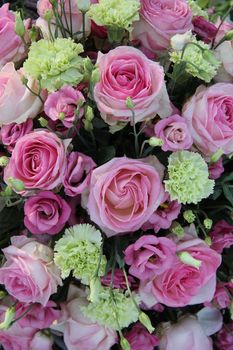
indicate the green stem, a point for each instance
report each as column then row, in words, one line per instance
column 23, row 314
column 84, row 25
column 71, row 23
column 34, row 93
column 136, row 145
column 219, row 27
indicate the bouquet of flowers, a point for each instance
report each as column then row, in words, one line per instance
column 116, row 196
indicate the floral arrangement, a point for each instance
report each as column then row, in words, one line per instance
column 116, row 197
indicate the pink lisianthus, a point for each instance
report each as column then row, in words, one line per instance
column 225, row 337
column 124, row 193
column 160, row 20
column 139, row 338
column 221, row 236
column 222, row 296
column 78, row 173
column 205, row 30
column 118, row 280
column 63, row 105
column 127, row 72
column 150, row 256
column 216, row 169
column 174, row 133
column 46, row 212
column 11, row 133
column 41, row 341
column 29, row 274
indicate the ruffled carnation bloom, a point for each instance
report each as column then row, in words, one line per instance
column 139, row 338
column 174, row 133
column 11, row 133
column 63, row 105
column 221, row 236
column 124, row 193
column 44, row 160
column 160, row 20
column 29, row 273
column 164, row 215
column 183, row 284
column 78, row 173
column 12, row 89
column 216, row 169
column 150, row 256
column 225, row 337
column 46, row 212
column 127, row 72
column 212, row 128
column 118, row 281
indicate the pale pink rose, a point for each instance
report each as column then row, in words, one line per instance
column 12, row 47
column 222, row 296
column 124, row 193
column 46, row 212
column 164, row 215
column 118, row 281
column 127, row 72
column 174, row 133
column 79, row 331
column 209, row 114
column 11, row 133
column 216, row 169
column 38, row 316
column 17, row 103
column 183, row 284
column 150, row 256
column 39, row 160
column 41, row 341
column 17, row 338
column 29, row 274
column 221, row 236
column 160, row 20
column 187, row 334
column 63, row 104
column 78, row 173
column 225, row 337
column 205, row 30
column 139, row 338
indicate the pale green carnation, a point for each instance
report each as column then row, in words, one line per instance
column 79, row 251
column 188, row 177
column 115, row 13
column 111, row 304
column 197, row 10
column 55, row 63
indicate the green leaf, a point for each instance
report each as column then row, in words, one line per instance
column 105, row 154
column 228, row 193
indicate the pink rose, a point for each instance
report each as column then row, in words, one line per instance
column 124, row 193
column 150, row 256
column 78, row 173
column 225, row 337
column 11, row 133
column 29, row 274
column 160, row 20
column 222, row 296
column 187, row 334
column 12, row 90
column 12, row 47
column 46, row 212
column 127, row 72
column 216, row 169
column 183, row 284
column 174, row 133
column 118, row 280
column 79, row 331
column 205, row 30
column 38, row 317
column 39, row 160
column 41, row 341
column 221, row 236
column 63, row 104
column 16, row 338
column 164, row 215
column 139, row 338
column 209, row 114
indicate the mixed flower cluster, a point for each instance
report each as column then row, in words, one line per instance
column 116, row 196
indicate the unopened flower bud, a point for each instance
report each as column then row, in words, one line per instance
column 208, row 223
column 48, row 15
column 9, row 317
column 43, row 122
column 188, row 259
column 155, row 142
column 95, row 287
column 177, row 229
column 61, row 116
column 125, row 344
column 189, row 216
column 208, row 241
column 89, row 115
column 129, row 103
column 4, row 161
column 17, row 185
column 19, row 25
column 145, row 320
column 83, row 5
column 217, row 155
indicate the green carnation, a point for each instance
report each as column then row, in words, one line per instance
column 188, row 177
column 55, row 63
column 79, row 251
column 114, row 309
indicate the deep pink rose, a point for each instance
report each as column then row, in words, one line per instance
column 38, row 316
column 139, row 338
column 29, row 273
column 63, row 104
column 127, row 72
column 174, row 133
column 11, row 133
column 187, row 334
column 216, row 169
column 150, row 256
column 46, row 212
column 118, row 281
column 41, row 341
column 78, row 173
column 160, row 20
column 222, row 296
column 209, row 114
column 39, row 160
column 183, row 284
column 12, row 48
column 221, row 236
column 124, row 193
column 17, row 103
column 205, row 30
column 164, row 215
column 225, row 337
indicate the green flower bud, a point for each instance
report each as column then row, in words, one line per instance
column 9, row 317
column 24, row 80
column 95, row 288
column 177, row 229
column 95, row 76
column 145, row 320
column 43, row 122
column 48, row 15
column 8, row 191
column 208, row 223
column 229, row 35
column 155, row 142
column 33, row 33
column 61, row 116
column 125, row 344
column 188, row 259
column 17, row 185
column 129, row 103
column 189, row 216
column 4, row 161
column 2, row 294
column 89, row 115
column 217, row 155
column 19, row 25
column 208, row 241
column 87, row 125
